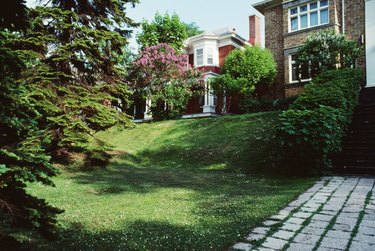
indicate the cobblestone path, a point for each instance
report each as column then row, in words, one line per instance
column 337, row 213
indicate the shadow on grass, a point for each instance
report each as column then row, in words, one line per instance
column 144, row 235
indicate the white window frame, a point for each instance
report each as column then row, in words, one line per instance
column 291, row 62
column 196, row 56
column 298, row 15
column 210, row 55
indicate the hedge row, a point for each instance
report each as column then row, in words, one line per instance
column 314, row 125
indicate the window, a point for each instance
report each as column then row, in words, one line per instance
column 210, row 56
column 308, row 15
column 199, row 55
column 298, row 71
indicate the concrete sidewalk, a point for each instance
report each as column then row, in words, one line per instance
column 337, row 213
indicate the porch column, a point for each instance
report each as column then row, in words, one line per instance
column 147, row 114
column 209, row 106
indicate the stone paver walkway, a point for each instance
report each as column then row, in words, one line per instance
column 337, row 213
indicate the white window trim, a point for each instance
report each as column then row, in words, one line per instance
column 210, row 49
column 308, row 12
column 291, row 81
column 196, row 56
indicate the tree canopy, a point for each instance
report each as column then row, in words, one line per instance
column 165, row 28
column 162, row 74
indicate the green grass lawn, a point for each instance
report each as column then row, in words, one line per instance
column 174, row 185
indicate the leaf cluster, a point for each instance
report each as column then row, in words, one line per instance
column 165, row 28
column 244, row 69
column 328, row 50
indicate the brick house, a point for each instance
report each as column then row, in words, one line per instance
column 207, row 53
column 289, row 22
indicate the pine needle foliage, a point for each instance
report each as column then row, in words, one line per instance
column 22, row 155
column 73, row 53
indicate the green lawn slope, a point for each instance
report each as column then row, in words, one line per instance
column 173, row 185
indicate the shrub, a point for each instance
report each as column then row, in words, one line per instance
column 244, row 70
column 316, row 122
column 328, row 50
column 251, row 104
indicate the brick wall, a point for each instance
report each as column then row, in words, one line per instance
column 355, row 24
column 223, row 52
column 274, row 41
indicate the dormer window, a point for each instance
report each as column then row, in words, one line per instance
column 308, row 15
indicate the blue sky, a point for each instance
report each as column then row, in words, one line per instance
column 207, row 14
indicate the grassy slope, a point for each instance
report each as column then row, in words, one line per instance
column 166, row 191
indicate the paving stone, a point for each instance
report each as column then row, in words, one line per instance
column 306, row 239
column 264, row 249
column 348, row 221
column 294, row 220
column 242, row 246
column 279, row 217
column 329, row 242
column 260, row 230
column 290, row 227
column 269, row 223
column 369, row 217
column 366, row 230
column 365, row 238
column 308, row 209
column 322, row 217
column 300, row 247
column 312, row 204
column 328, row 212
column 334, row 208
column 302, row 215
column 282, row 234
column 343, row 227
column 313, row 231
column 338, row 234
column 350, row 215
column 351, row 210
column 361, row 246
column 274, row 243
column 255, row 237
column 318, row 224
column 367, row 223
column 328, row 249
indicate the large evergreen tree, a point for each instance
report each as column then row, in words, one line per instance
column 22, row 157
column 73, row 50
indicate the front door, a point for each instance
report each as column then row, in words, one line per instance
column 370, row 43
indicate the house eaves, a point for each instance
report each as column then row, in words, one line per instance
column 266, row 4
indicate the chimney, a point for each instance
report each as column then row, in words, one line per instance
column 254, row 30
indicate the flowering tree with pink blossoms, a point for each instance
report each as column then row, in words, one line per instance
column 162, row 74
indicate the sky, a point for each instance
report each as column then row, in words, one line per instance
column 209, row 15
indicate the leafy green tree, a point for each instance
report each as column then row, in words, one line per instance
column 22, row 156
column 73, row 49
column 245, row 69
column 162, row 75
column 192, row 29
column 328, row 50
column 163, row 29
